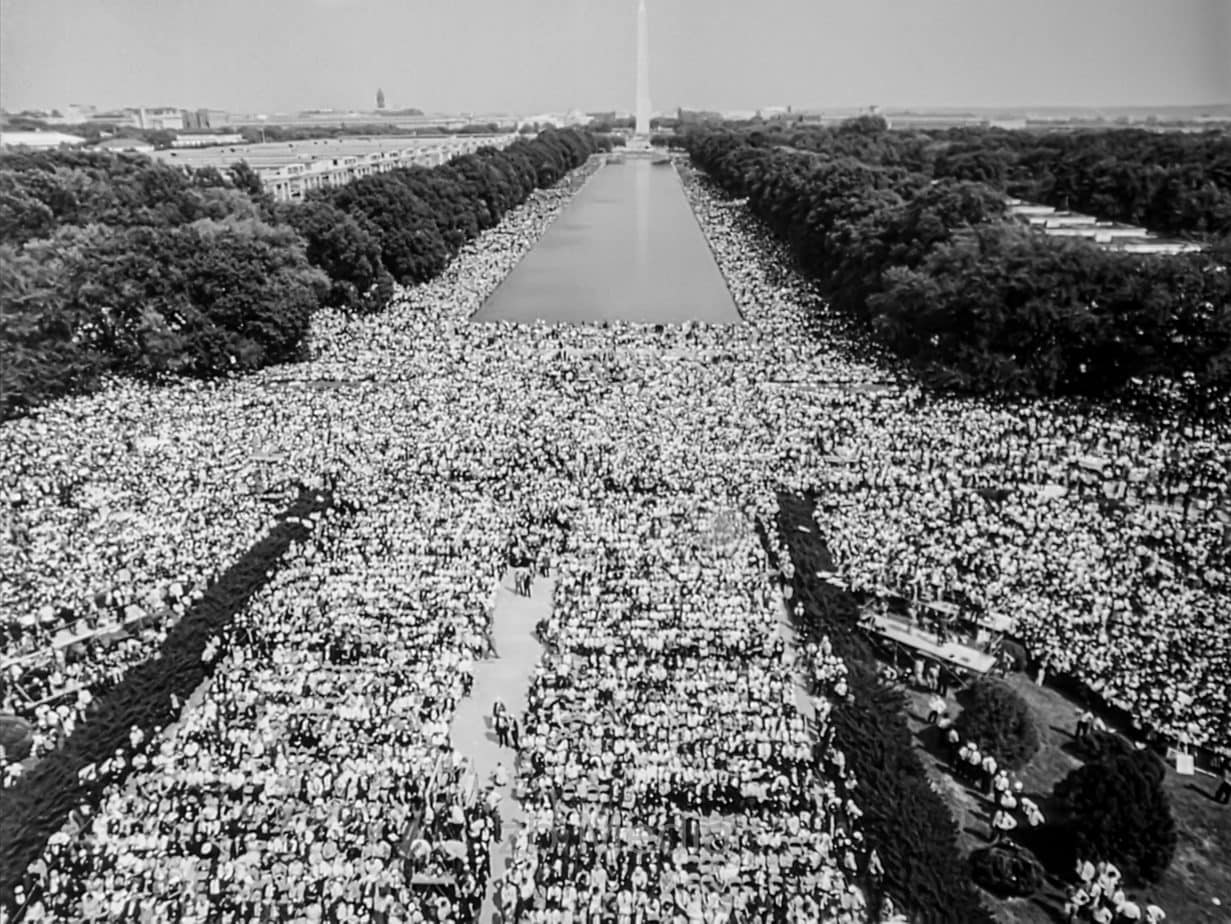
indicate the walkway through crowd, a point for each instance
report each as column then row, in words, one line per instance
column 505, row 678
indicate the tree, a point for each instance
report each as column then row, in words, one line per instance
column 411, row 245
column 130, row 266
column 44, row 354
column 23, row 216
column 345, row 250
column 205, row 299
column 43, row 190
column 160, row 138
column 1118, row 810
column 247, row 180
column 998, row 720
column 864, row 125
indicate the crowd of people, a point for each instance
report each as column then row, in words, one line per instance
column 1007, row 510
column 666, row 770
column 1099, row 897
column 313, row 775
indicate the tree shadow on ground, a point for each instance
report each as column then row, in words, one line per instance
column 149, row 696
column 1054, row 912
column 1208, row 793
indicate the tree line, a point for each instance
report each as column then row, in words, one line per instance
column 115, row 264
column 1176, row 183
column 933, row 268
column 1170, row 182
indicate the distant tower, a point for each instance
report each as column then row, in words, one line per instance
column 643, row 71
column 380, row 99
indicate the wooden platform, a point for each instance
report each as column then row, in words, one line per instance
column 953, row 654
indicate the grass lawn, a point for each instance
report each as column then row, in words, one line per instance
column 1196, row 877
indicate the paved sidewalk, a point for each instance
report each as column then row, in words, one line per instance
column 506, row 677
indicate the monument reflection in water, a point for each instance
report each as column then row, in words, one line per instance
column 642, row 176
column 626, row 248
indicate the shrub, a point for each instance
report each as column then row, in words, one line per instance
column 1101, row 746
column 16, row 738
column 998, row 720
column 1007, row 872
column 1117, row 809
column 1016, row 656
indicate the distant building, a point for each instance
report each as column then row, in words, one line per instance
column 161, row 119
column 196, row 120
column 118, row 118
column 557, row 120
column 297, row 172
column 38, row 141
column 72, row 114
column 125, row 144
column 206, row 140
column 1110, row 235
column 380, row 98
column 696, row 116
column 924, row 121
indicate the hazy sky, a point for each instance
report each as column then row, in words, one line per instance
column 543, row 55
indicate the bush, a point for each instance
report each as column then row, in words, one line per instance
column 1118, row 810
column 1101, row 746
column 1016, row 656
column 1007, row 872
column 16, row 738
column 998, row 720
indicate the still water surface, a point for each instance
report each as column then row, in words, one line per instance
column 626, row 248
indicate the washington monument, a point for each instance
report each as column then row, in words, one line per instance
column 643, row 72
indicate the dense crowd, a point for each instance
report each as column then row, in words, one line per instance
column 668, row 773
column 992, row 507
column 313, row 775
column 92, row 576
column 665, row 767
